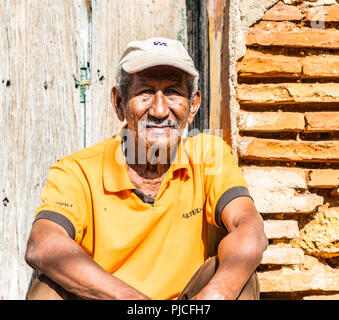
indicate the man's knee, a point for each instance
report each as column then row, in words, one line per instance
column 43, row 288
column 251, row 290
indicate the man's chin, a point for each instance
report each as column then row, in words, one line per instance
column 162, row 140
column 161, row 144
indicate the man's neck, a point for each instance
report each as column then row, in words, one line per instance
column 147, row 177
column 149, row 171
column 149, row 163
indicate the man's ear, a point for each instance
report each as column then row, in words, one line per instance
column 194, row 107
column 116, row 100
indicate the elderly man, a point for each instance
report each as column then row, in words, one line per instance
column 126, row 218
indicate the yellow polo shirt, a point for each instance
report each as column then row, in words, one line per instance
column 157, row 246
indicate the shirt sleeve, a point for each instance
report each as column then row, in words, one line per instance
column 223, row 179
column 66, row 199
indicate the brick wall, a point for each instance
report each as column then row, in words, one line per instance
column 288, row 92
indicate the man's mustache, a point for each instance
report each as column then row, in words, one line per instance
column 159, row 123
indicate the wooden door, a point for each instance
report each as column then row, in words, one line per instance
column 40, row 118
column 198, row 47
column 57, row 66
column 112, row 25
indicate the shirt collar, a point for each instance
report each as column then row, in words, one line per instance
column 181, row 159
column 115, row 175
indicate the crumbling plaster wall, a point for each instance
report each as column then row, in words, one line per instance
column 284, row 111
column 243, row 14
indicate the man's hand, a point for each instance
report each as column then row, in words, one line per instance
column 215, row 291
column 51, row 251
column 240, row 252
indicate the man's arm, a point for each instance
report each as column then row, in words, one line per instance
column 51, row 251
column 240, row 252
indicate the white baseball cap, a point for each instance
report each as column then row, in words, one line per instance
column 140, row 55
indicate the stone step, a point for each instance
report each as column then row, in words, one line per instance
column 286, row 255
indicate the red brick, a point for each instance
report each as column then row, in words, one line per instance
column 255, row 148
column 271, row 121
column 323, row 297
column 286, row 35
column 288, row 93
column 282, row 254
column 257, row 64
column 275, row 178
column 324, row 13
column 284, row 200
column 322, row 121
column 326, row 66
column 281, row 12
column 281, row 229
column 320, row 277
column 323, row 178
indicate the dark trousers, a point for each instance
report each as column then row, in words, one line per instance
column 44, row 288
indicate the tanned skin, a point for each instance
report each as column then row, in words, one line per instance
column 158, row 93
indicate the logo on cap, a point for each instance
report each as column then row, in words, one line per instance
column 158, row 43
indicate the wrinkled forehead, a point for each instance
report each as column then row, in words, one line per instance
column 160, row 73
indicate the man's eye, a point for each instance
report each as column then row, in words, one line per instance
column 173, row 92
column 145, row 91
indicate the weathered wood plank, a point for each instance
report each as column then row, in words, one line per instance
column 220, row 117
column 112, row 27
column 40, row 119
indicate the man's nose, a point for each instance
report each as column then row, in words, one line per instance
column 159, row 108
